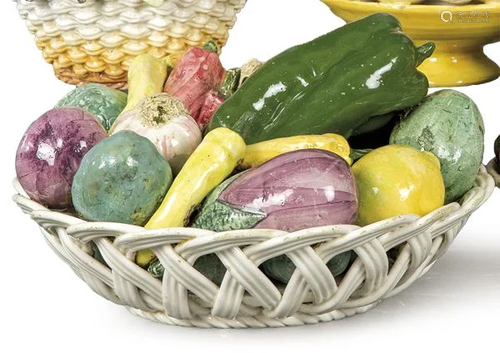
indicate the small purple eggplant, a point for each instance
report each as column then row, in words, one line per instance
column 296, row 190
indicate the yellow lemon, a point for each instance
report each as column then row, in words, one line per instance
column 396, row 180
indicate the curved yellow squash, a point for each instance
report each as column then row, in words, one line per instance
column 210, row 164
column 146, row 76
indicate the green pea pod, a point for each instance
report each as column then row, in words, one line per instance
column 333, row 84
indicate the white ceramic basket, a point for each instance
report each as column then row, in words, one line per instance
column 246, row 297
column 95, row 40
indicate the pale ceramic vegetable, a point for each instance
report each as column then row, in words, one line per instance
column 51, row 151
column 122, row 179
column 248, row 69
column 103, row 102
column 165, row 122
column 448, row 124
column 397, row 180
column 213, row 161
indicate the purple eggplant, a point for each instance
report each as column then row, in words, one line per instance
column 296, row 190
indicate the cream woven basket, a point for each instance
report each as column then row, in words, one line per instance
column 391, row 255
column 95, row 40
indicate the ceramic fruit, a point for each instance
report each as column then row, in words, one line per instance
column 261, row 152
column 122, row 179
column 166, row 123
column 448, row 124
column 103, row 102
column 295, row 190
column 198, row 72
column 50, row 153
column 213, row 161
column 146, row 76
column 397, row 180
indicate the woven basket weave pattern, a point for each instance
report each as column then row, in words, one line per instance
column 246, row 297
column 95, row 41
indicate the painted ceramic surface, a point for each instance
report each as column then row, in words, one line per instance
column 449, row 125
column 103, row 102
column 122, row 179
column 51, row 151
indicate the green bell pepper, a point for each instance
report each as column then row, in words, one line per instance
column 333, row 84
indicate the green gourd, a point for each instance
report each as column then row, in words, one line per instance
column 121, row 179
column 448, row 124
column 103, row 102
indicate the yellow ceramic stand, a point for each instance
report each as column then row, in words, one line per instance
column 459, row 59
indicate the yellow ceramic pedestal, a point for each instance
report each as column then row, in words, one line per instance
column 459, row 59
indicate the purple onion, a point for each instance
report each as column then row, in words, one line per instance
column 50, row 153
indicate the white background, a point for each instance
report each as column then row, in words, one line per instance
column 47, row 308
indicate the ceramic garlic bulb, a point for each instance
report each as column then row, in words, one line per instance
column 165, row 122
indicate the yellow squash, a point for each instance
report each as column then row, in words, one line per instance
column 261, row 152
column 146, row 76
column 397, row 180
column 210, row 164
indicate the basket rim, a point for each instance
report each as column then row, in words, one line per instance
column 487, row 175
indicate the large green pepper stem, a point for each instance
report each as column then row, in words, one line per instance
column 230, row 84
column 425, row 51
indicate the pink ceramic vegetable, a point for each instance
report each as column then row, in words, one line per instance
column 198, row 72
column 212, row 102
column 51, row 151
